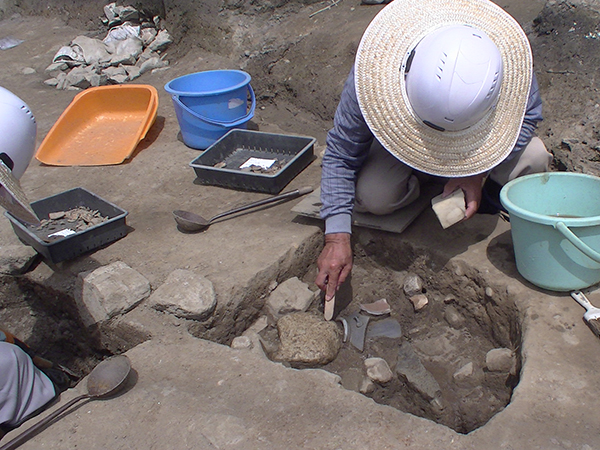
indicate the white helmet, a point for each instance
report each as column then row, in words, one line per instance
column 453, row 77
column 18, row 130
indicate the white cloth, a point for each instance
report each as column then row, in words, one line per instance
column 23, row 387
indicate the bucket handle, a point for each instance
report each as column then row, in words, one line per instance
column 573, row 239
column 222, row 123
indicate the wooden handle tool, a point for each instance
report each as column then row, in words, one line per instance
column 329, row 307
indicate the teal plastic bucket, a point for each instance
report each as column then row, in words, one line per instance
column 208, row 104
column 555, row 227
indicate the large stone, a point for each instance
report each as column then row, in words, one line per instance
column 109, row 291
column 186, row 295
column 16, row 259
column 307, row 339
column 290, row 296
column 500, row 360
column 409, row 366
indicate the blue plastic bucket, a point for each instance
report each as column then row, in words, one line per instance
column 209, row 104
column 555, row 227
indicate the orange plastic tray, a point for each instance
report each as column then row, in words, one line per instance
column 102, row 126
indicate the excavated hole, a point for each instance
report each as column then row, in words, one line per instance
column 48, row 322
column 466, row 317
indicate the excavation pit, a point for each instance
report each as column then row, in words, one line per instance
column 455, row 361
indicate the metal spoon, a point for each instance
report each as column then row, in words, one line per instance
column 106, row 379
column 188, row 221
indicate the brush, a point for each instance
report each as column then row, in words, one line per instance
column 592, row 314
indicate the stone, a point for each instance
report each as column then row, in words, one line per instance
column 419, row 301
column 16, row 259
column 464, row 373
column 252, row 333
column 290, row 296
column 109, row 291
column 413, row 285
column 378, row 370
column 161, row 41
column 451, row 209
column 500, row 360
column 242, row 343
column 409, row 366
column 307, row 339
column 152, row 63
column 453, row 317
column 133, row 72
column 186, row 295
column 367, row 386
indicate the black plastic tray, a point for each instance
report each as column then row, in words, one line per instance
column 294, row 153
column 70, row 247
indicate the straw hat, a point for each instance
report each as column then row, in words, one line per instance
column 381, row 89
column 12, row 197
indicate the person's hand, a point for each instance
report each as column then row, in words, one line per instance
column 471, row 186
column 334, row 263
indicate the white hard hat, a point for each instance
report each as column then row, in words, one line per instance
column 453, row 77
column 18, row 130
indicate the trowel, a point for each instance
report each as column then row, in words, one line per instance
column 355, row 329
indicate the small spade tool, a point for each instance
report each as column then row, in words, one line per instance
column 105, row 380
column 592, row 314
column 190, row 222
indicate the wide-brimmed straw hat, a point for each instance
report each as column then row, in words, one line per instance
column 381, row 90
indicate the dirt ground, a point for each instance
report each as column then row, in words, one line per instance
column 298, row 53
column 300, row 59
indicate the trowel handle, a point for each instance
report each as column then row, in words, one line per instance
column 32, row 431
column 582, row 300
column 287, row 195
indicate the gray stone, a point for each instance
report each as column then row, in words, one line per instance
column 161, row 41
column 133, row 72
column 147, row 35
column 152, row 63
column 16, row 259
column 413, row 285
column 51, row 82
column 500, row 360
column 116, row 74
column 307, row 339
column 186, row 295
column 252, row 333
column 464, row 373
column 56, row 67
column 242, row 343
column 367, row 386
column 290, row 296
column 79, row 77
column 109, row 291
column 409, row 366
column 453, row 317
column 378, row 370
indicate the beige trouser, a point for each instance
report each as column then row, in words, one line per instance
column 386, row 184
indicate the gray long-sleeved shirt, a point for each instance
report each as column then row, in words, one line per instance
column 348, row 144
